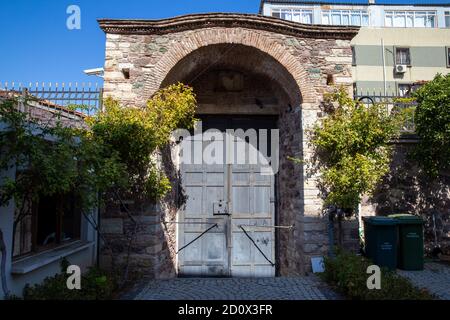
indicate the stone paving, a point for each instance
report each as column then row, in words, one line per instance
column 435, row 277
column 295, row 288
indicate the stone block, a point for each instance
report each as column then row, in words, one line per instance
column 112, row 226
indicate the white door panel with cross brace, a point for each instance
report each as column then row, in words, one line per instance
column 226, row 226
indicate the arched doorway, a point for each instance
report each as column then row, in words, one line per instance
column 229, row 224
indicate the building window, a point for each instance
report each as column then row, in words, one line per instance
column 50, row 222
column 353, row 56
column 447, row 19
column 404, row 89
column 416, row 19
column 402, row 56
column 447, row 53
column 296, row 15
column 345, row 17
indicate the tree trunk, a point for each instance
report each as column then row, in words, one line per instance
column 3, row 265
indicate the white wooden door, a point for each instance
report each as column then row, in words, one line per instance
column 235, row 204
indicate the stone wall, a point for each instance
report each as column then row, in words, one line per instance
column 406, row 189
column 305, row 61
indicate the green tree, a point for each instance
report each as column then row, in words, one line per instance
column 111, row 152
column 432, row 119
column 352, row 149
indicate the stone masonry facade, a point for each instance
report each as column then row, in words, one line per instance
column 304, row 61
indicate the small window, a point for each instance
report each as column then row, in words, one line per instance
column 447, row 53
column 402, row 56
column 404, row 89
column 447, row 19
column 276, row 13
column 50, row 222
column 353, row 56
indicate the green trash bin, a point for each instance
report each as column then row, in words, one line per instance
column 410, row 242
column 381, row 234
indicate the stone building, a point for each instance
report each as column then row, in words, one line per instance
column 247, row 71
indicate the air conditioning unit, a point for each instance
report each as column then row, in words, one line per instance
column 400, row 68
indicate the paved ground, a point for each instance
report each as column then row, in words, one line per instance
column 435, row 277
column 298, row 288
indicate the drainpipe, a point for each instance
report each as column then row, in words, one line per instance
column 98, row 233
column 383, row 57
column 331, row 233
column 360, row 227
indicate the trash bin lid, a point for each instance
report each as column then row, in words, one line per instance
column 380, row 221
column 407, row 218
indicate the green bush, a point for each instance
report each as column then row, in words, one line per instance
column 433, row 125
column 95, row 285
column 347, row 273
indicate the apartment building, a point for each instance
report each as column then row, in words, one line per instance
column 401, row 43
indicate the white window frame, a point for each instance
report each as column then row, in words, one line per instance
column 447, row 56
column 447, row 19
column 345, row 12
column 301, row 11
column 391, row 14
column 408, row 63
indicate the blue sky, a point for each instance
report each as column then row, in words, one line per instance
column 37, row 46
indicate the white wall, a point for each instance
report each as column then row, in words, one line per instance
column 84, row 258
column 376, row 12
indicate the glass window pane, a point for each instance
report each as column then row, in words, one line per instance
column 296, row 16
column 448, row 57
column 356, row 19
column 447, row 21
column 325, row 18
column 399, row 20
column 430, row 21
column 276, row 13
column 404, row 90
column 286, row 14
column 410, row 20
column 388, row 21
column 419, row 20
column 307, row 17
column 336, row 18
column 402, row 56
column 345, row 19
column 365, row 20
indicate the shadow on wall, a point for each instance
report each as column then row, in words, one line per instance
column 137, row 242
column 406, row 189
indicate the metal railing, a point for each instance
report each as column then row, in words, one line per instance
column 393, row 103
column 85, row 98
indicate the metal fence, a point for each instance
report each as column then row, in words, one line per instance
column 393, row 103
column 86, row 98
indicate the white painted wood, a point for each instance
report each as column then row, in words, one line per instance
column 226, row 250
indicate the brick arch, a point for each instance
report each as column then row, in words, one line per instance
column 205, row 37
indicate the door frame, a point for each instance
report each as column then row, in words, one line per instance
column 227, row 119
